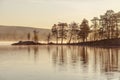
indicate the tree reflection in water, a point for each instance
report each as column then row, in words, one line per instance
column 34, row 50
column 109, row 59
column 59, row 56
column 102, row 59
column 80, row 58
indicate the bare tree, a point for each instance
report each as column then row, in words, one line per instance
column 48, row 38
column 35, row 36
column 28, row 36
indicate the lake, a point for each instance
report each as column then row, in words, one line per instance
column 59, row 63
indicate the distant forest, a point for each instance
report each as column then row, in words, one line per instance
column 20, row 33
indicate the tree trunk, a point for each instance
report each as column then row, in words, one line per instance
column 70, row 39
column 56, row 40
column 62, row 36
column 83, row 39
column 62, row 40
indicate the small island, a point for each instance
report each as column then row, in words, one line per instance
column 29, row 41
column 26, row 43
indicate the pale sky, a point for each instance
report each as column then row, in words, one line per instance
column 44, row 13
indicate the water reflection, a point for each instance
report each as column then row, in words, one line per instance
column 105, row 58
column 109, row 59
column 89, row 59
column 102, row 62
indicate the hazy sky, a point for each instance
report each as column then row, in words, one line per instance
column 44, row 13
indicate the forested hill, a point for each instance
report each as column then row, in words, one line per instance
column 16, row 33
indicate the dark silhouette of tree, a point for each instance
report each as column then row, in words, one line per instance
column 55, row 32
column 73, row 30
column 109, row 22
column 117, row 33
column 28, row 36
column 62, row 28
column 35, row 36
column 48, row 38
column 84, row 30
column 101, row 33
column 95, row 27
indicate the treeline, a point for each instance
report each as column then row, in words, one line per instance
column 105, row 27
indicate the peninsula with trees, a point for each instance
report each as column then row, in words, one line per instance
column 103, row 31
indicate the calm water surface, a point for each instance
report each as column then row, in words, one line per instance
column 59, row 63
